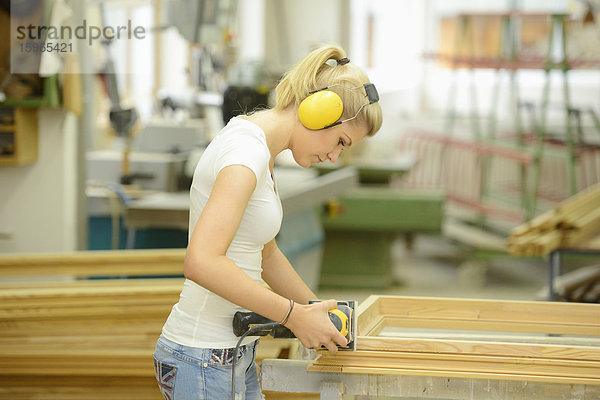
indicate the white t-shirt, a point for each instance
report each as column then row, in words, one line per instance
column 201, row 318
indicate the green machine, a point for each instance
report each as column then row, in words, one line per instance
column 361, row 226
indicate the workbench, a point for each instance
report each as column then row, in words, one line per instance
column 292, row 376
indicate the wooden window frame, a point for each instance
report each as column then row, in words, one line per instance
column 514, row 340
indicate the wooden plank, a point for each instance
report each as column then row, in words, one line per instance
column 462, row 362
column 81, row 327
column 580, row 203
column 88, row 295
column 587, row 227
column 494, row 337
column 370, row 317
column 39, row 345
column 84, row 283
column 94, row 263
column 542, row 222
column 589, row 372
column 390, row 305
column 544, row 244
column 587, row 217
column 500, row 312
column 490, row 367
column 478, row 347
column 458, row 324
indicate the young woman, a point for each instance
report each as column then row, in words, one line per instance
column 235, row 213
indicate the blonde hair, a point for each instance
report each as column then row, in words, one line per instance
column 314, row 72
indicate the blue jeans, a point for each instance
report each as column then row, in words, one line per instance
column 190, row 373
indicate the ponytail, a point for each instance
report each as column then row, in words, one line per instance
column 304, row 77
column 314, row 72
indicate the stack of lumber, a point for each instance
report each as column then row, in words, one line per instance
column 84, row 338
column 572, row 224
column 82, row 342
column 65, row 338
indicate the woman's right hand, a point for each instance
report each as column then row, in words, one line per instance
column 312, row 326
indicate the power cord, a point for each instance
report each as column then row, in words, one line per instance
column 252, row 331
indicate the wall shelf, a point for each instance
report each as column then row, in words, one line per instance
column 18, row 136
column 49, row 98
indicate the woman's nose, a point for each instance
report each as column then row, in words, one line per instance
column 333, row 156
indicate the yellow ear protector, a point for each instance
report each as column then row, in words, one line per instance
column 323, row 108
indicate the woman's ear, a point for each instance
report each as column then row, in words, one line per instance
column 320, row 110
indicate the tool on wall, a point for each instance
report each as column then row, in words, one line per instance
column 122, row 119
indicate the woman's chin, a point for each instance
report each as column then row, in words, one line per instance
column 304, row 163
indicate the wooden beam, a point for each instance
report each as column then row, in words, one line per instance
column 370, row 317
column 485, row 348
column 459, row 365
column 94, row 263
column 505, row 315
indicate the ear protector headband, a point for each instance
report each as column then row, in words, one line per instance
column 323, row 108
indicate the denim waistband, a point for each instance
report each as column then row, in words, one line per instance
column 198, row 355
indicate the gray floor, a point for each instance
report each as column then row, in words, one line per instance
column 434, row 267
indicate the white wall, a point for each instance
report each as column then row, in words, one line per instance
column 38, row 201
column 293, row 28
column 396, row 65
column 251, row 34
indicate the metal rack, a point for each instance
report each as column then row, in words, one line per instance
column 520, row 163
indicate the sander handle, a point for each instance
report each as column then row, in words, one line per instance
column 244, row 321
